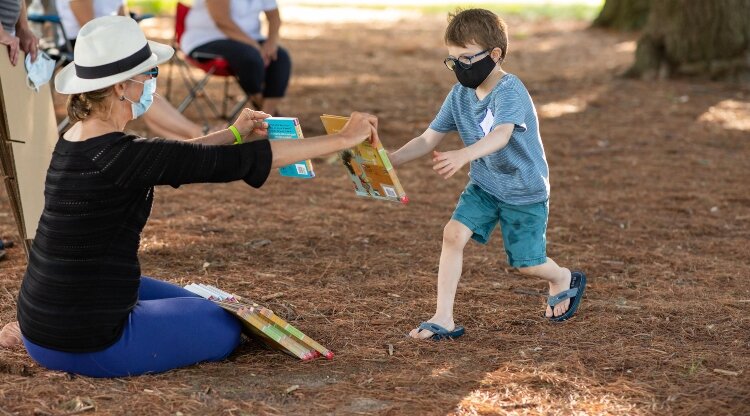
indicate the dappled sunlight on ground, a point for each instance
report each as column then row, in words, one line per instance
column 344, row 15
column 571, row 105
column 545, row 391
column 628, row 46
column 729, row 114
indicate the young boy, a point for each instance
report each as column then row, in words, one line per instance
column 508, row 177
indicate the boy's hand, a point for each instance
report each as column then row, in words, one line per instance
column 360, row 127
column 251, row 122
column 448, row 163
column 393, row 158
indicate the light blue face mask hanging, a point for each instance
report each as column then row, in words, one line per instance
column 40, row 71
column 147, row 98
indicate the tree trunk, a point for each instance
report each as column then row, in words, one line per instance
column 623, row 14
column 696, row 38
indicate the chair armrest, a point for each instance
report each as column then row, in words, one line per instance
column 139, row 17
column 43, row 18
column 205, row 55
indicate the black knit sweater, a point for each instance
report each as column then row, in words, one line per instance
column 83, row 274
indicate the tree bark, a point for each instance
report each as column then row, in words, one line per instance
column 708, row 38
column 623, row 14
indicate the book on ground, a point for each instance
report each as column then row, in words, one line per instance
column 288, row 128
column 368, row 166
column 262, row 324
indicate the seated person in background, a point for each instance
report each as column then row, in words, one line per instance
column 231, row 28
column 162, row 119
column 14, row 30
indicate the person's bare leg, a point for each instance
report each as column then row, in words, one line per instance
column 10, row 335
column 559, row 279
column 455, row 237
column 163, row 120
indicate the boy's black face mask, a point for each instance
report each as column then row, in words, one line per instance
column 476, row 74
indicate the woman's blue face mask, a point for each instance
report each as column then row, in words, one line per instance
column 147, row 98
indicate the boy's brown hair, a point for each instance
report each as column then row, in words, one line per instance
column 478, row 26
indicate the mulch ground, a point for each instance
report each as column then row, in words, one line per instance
column 649, row 197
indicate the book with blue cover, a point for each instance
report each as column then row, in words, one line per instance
column 288, row 128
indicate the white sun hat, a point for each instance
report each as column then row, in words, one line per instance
column 109, row 49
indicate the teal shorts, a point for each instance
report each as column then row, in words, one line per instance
column 524, row 227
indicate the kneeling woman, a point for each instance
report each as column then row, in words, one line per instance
column 83, row 306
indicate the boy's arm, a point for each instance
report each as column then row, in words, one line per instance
column 448, row 163
column 416, row 147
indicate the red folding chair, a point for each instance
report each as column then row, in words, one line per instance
column 211, row 65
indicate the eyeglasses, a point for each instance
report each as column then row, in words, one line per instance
column 153, row 72
column 463, row 61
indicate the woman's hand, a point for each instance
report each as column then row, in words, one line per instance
column 360, row 127
column 448, row 163
column 28, row 42
column 251, row 122
column 13, row 43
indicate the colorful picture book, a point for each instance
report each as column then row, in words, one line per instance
column 368, row 166
column 288, row 128
column 264, row 325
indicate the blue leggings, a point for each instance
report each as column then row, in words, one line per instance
column 169, row 327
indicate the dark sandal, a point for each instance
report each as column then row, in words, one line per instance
column 440, row 333
column 575, row 293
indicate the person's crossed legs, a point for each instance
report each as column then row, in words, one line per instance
column 168, row 328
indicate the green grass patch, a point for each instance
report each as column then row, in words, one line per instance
column 165, row 7
column 525, row 11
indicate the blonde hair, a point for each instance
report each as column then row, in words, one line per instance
column 80, row 106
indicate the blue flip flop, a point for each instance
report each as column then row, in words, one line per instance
column 440, row 333
column 575, row 294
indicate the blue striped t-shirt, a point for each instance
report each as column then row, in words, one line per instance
column 516, row 174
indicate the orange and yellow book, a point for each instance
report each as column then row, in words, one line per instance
column 368, row 166
column 262, row 324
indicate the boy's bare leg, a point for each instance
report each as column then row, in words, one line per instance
column 559, row 280
column 163, row 120
column 455, row 237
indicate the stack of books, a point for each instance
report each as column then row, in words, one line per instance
column 262, row 324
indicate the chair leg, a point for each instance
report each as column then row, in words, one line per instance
column 63, row 125
column 226, row 98
column 238, row 108
column 196, row 90
column 168, row 94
